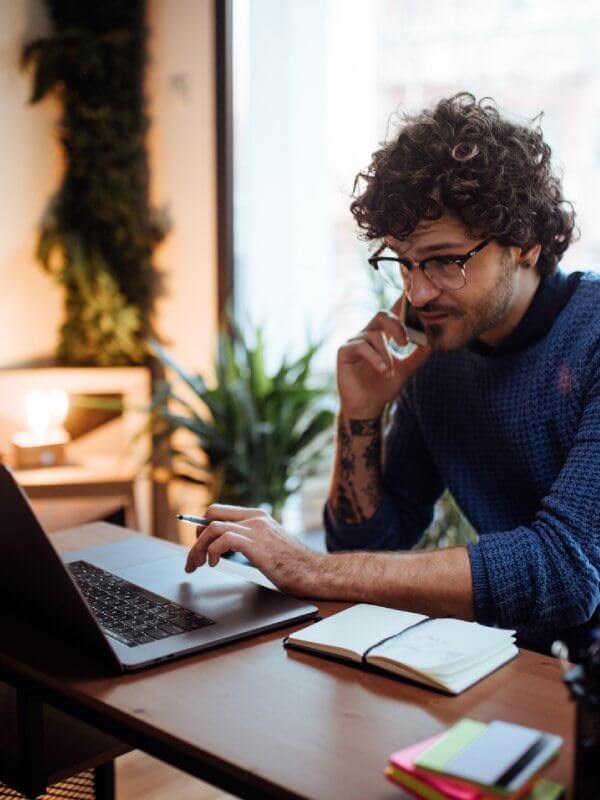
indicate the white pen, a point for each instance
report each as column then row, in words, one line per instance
column 561, row 651
column 194, row 520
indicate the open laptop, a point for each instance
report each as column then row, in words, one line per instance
column 129, row 601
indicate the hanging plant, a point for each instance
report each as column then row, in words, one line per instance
column 99, row 234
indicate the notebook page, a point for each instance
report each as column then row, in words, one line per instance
column 355, row 629
column 459, row 681
column 443, row 645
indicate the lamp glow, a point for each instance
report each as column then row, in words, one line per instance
column 37, row 410
column 59, row 407
column 43, row 445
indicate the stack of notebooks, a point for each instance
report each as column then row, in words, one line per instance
column 478, row 761
column 446, row 654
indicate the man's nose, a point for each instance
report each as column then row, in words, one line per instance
column 421, row 291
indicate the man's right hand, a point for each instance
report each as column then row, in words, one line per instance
column 369, row 375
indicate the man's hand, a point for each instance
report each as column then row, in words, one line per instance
column 292, row 567
column 436, row 583
column 369, row 375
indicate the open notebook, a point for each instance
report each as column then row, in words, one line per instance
column 447, row 654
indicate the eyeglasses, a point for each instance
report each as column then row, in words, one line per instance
column 444, row 272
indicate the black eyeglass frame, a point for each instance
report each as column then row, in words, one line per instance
column 423, row 264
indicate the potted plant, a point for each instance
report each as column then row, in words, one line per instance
column 255, row 436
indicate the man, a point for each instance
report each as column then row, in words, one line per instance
column 502, row 407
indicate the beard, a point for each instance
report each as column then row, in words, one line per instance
column 465, row 327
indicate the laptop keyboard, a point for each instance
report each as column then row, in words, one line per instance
column 128, row 613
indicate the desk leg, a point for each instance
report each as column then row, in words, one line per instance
column 104, row 781
column 32, row 775
column 131, row 515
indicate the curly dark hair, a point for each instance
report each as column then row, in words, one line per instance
column 462, row 156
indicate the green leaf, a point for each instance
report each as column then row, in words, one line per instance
column 321, row 423
column 195, row 382
column 263, row 431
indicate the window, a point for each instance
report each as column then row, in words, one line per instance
column 316, row 85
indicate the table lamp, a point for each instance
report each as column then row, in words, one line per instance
column 43, row 445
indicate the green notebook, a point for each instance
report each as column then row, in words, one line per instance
column 546, row 790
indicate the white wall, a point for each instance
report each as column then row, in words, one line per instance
column 182, row 155
column 182, row 160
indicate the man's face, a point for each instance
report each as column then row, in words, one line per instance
column 453, row 319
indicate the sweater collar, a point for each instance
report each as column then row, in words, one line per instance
column 551, row 296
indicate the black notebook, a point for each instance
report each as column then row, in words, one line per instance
column 444, row 653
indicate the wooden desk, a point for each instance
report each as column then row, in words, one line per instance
column 262, row 722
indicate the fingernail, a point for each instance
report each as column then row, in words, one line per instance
column 382, row 368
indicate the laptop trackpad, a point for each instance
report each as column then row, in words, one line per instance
column 207, row 591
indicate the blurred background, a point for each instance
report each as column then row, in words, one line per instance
column 318, row 84
column 178, row 168
column 178, row 265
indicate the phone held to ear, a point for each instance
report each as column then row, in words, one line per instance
column 415, row 332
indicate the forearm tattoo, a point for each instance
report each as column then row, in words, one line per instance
column 365, row 427
column 373, row 493
column 347, row 503
column 372, row 453
column 348, row 507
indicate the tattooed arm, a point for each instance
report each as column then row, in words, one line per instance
column 356, row 490
column 369, row 377
column 384, row 484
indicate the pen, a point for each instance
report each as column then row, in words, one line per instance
column 561, row 651
column 194, row 520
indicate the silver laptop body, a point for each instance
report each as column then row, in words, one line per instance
column 37, row 582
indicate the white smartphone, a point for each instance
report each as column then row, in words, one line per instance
column 415, row 332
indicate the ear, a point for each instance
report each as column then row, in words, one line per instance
column 529, row 256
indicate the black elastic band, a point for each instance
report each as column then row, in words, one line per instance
column 363, row 658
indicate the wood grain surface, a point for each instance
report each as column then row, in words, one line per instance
column 289, row 724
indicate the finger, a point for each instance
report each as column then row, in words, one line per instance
column 380, row 342
column 199, row 529
column 377, row 340
column 230, row 541
column 221, row 511
column 389, row 322
column 197, row 554
column 361, row 350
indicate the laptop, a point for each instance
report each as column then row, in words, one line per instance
column 130, row 601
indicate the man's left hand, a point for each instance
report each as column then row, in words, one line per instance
column 291, row 566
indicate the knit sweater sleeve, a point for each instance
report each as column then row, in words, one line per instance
column 411, row 484
column 546, row 575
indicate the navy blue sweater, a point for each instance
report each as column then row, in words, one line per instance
column 514, row 433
